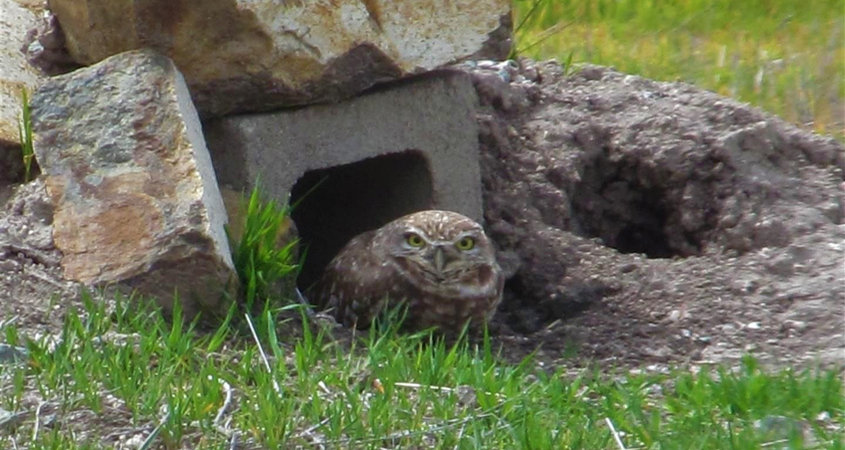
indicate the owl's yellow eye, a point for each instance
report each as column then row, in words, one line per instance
column 414, row 240
column 466, row 243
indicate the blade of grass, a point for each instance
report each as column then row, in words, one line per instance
column 25, row 135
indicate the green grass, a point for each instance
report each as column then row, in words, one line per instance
column 262, row 252
column 785, row 56
column 168, row 383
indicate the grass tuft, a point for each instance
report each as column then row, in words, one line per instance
column 261, row 254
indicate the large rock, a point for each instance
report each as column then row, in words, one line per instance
column 136, row 199
column 259, row 55
column 358, row 164
column 15, row 74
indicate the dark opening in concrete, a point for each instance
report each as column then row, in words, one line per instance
column 338, row 203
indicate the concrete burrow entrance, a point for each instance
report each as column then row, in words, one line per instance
column 335, row 204
column 356, row 165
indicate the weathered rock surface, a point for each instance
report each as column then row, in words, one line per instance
column 15, row 74
column 259, row 55
column 691, row 225
column 136, row 199
column 359, row 164
column 46, row 49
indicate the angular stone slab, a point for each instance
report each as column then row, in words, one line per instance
column 240, row 55
column 419, row 136
column 135, row 195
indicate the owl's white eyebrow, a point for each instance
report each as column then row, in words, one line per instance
column 414, row 230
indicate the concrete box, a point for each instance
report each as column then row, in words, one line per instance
column 356, row 165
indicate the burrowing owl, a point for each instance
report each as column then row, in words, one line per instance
column 439, row 262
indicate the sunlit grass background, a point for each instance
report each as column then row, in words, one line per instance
column 784, row 56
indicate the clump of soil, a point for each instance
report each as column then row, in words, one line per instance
column 33, row 294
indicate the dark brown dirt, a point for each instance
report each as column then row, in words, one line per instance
column 645, row 224
column 33, row 294
column 654, row 223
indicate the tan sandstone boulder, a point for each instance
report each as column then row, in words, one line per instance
column 240, row 55
column 135, row 195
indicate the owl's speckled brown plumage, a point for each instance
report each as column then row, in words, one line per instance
column 443, row 282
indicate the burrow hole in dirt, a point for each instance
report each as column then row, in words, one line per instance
column 628, row 211
column 337, row 203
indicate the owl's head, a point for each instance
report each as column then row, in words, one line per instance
column 441, row 248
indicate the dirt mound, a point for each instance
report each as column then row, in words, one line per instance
column 687, row 225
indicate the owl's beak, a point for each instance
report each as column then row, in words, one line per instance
column 439, row 259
